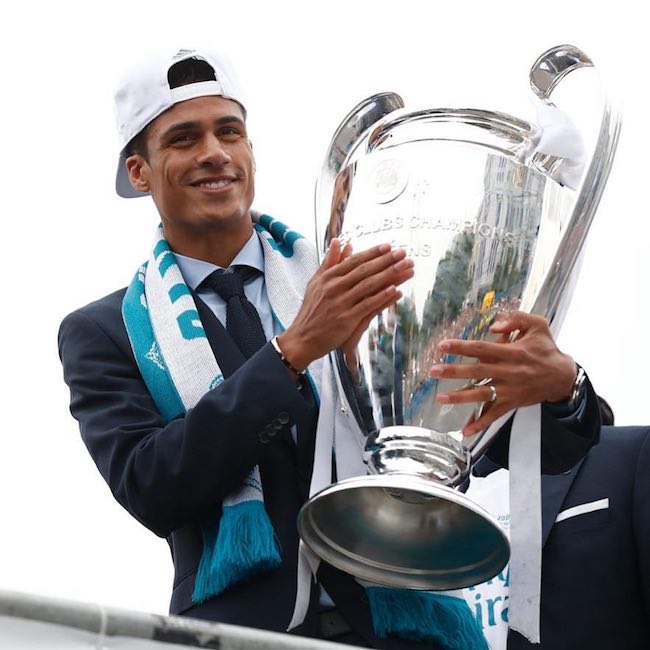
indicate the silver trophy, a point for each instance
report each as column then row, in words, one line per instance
column 480, row 211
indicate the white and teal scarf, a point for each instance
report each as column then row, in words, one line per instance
column 179, row 367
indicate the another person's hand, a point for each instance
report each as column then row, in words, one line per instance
column 529, row 370
column 342, row 297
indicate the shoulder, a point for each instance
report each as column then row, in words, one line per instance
column 621, row 452
column 97, row 320
column 98, row 310
column 616, row 438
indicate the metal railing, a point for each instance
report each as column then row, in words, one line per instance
column 33, row 621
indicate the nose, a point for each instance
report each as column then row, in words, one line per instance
column 212, row 151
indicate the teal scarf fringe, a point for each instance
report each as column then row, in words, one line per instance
column 425, row 616
column 244, row 546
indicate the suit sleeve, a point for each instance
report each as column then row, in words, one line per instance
column 564, row 441
column 641, row 519
column 168, row 474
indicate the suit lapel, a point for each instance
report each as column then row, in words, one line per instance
column 554, row 491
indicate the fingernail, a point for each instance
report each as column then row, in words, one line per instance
column 443, row 398
column 384, row 248
column 444, row 345
column 399, row 253
column 436, row 371
column 403, row 265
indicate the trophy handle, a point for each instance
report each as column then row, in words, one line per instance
column 546, row 73
column 349, row 133
column 553, row 65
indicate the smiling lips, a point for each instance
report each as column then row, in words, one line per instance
column 215, row 184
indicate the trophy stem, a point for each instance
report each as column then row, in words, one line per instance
column 424, row 452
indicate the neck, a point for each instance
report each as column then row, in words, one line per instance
column 217, row 246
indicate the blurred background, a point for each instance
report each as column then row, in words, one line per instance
column 68, row 239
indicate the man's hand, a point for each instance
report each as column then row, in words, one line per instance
column 529, row 370
column 341, row 299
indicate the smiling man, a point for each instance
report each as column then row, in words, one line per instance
column 201, row 389
column 196, row 388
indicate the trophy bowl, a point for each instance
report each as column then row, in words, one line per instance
column 490, row 228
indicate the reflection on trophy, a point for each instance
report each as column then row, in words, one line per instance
column 480, row 210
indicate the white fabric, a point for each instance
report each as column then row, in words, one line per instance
column 190, row 362
column 582, row 509
column 321, row 477
column 489, row 601
column 524, row 462
column 525, row 522
column 199, row 89
column 557, row 135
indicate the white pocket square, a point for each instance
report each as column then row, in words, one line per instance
column 584, row 508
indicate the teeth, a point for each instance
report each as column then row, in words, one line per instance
column 216, row 184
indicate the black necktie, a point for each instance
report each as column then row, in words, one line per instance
column 242, row 320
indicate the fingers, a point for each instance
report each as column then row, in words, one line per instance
column 468, row 395
column 347, row 251
column 495, row 400
column 513, row 321
column 371, row 305
column 484, row 350
column 391, row 299
column 359, row 266
column 393, row 275
column 369, row 278
column 353, row 260
column 491, row 413
column 333, row 255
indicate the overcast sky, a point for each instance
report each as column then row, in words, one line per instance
column 69, row 239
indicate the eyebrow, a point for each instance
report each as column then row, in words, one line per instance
column 185, row 126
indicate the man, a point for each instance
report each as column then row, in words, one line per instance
column 204, row 431
column 596, row 553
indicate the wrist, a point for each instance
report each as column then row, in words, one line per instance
column 573, row 395
column 291, row 352
column 578, row 388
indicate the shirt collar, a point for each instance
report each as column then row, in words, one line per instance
column 195, row 271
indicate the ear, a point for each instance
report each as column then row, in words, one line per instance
column 138, row 169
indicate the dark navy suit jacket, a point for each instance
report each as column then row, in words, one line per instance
column 173, row 476
column 596, row 557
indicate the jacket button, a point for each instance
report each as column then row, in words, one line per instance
column 267, row 433
column 283, row 417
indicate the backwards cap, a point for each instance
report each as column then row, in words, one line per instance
column 144, row 93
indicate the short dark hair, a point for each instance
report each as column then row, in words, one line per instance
column 183, row 73
column 606, row 412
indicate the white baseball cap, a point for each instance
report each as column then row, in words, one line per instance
column 144, row 93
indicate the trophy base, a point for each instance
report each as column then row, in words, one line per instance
column 404, row 531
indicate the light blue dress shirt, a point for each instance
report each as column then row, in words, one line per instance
column 195, row 271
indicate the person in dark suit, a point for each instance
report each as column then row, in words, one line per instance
column 596, row 553
column 182, row 121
